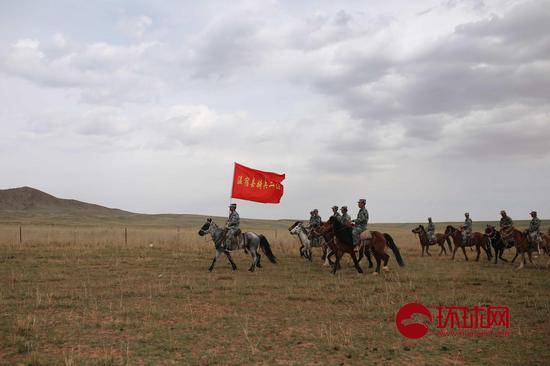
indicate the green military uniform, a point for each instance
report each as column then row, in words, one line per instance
column 345, row 219
column 534, row 231
column 431, row 231
column 506, row 228
column 315, row 222
column 506, row 222
column 232, row 225
column 360, row 224
column 467, row 230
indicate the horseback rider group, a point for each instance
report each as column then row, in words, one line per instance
column 359, row 224
column 506, row 228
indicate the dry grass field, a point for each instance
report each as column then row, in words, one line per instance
column 80, row 295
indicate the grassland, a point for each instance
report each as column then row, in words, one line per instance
column 75, row 295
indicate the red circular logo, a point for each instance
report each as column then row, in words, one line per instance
column 410, row 329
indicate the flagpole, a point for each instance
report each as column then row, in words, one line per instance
column 232, row 182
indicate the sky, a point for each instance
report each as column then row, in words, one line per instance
column 424, row 108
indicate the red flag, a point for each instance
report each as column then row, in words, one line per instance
column 256, row 185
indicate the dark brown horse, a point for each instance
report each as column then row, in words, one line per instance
column 476, row 239
column 440, row 239
column 499, row 245
column 340, row 242
column 374, row 243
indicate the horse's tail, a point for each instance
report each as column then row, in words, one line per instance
column 266, row 248
column 395, row 249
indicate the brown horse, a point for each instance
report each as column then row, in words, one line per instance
column 545, row 245
column 521, row 242
column 375, row 243
column 440, row 239
column 339, row 243
column 476, row 239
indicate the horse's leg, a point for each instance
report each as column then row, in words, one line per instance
column 254, row 256
column 478, row 250
column 517, row 253
column 522, row 261
column 259, row 265
column 361, row 252
column 454, row 252
column 464, row 251
column 428, row 250
column 386, row 258
column 441, row 251
column 378, row 262
column 337, row 263
column 501, row 255
column 368, row 254
column 218, row 253
column 233, row 265
column 422, row 245
column 355, row 261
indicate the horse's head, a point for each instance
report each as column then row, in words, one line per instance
column 326, row 227
column 418, row 230
column 450, row 230
column 205, row 229
column 490, row 230
column 295, row 228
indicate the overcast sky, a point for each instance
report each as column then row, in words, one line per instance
column 424, row 108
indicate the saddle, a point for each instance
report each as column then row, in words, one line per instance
column 365, row 236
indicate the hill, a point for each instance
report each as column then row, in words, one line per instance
column 26, row 205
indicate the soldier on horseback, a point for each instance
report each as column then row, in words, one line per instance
column 360, row 223
column 336, row 214
column 431, row 230
column 506, row 227
column 466, row 229
column 534, row 230
column 345, row 219
column 232, row 226
column 314, row 224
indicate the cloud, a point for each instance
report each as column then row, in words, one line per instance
column 135, row 26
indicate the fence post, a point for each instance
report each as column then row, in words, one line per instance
column 20, row 235
column 126, row 235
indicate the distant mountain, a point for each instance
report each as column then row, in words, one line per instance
column 26, row 205
column 31, row 200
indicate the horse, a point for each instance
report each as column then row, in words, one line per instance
column 476, row 239
column 521, row 241
column 440, row 239
column 249, row 241
column 544, row 247
column 299, row 230
column 375, row 243
column 497, row 243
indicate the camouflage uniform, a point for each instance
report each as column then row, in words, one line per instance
column 506, row 228
column 345, row 219
column 337, row 216
column 431, row 231
column 466, row 230
column 534, row 231
column 314, row 223
column 232, row 225
column 360, row 224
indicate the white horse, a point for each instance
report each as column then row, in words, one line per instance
column 248, row 241
column 299, row 230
